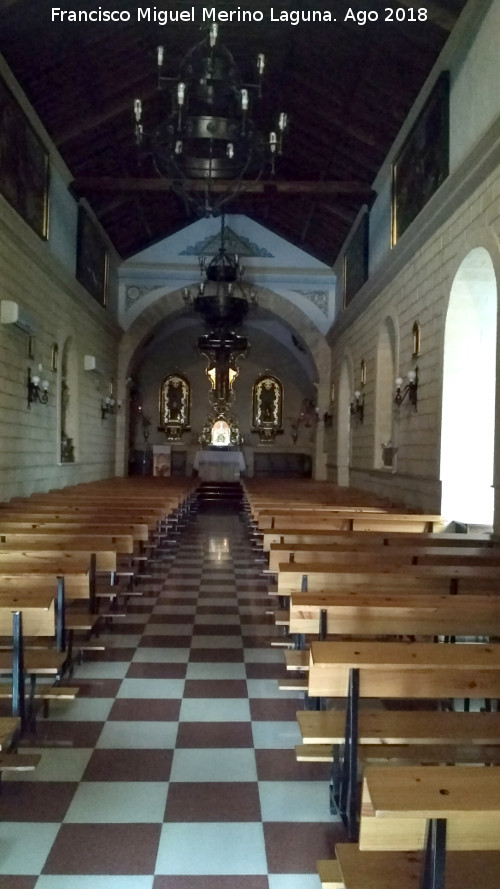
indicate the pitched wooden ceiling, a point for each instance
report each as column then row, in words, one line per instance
column 347, row 89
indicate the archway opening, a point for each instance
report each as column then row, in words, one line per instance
column 469, row 382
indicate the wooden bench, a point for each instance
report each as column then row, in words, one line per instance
column 272, row 518
column 352, row 521
column 330, row 536
column 72, row 526
column 356, row 869
column 401, row 614
column 388, row 577
column 435, row 809
column 392, row 670
column 413, row 546
column 20, row 662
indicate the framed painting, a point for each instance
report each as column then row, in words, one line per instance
column 423, row 162
column 356, row 260
column 24, row 165
column 92, row 258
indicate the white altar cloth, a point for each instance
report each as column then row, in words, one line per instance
column 219, row 466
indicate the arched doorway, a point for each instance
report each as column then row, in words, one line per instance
column 469, row 383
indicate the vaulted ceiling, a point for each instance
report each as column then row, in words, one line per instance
column 346, row 87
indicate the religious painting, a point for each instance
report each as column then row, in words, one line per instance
column 92, row 258
column 356, row 260
column 267, row 407
column 422, row 164
column 221, row 434
column 175, row 404
column 24, row 165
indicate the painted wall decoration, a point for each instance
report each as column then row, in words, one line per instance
column 319, row 298
column 235, row 244
column 422, row 164
column 24, row 165
column 92, row 258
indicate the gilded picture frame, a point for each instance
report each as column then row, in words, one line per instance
column 92, row 258
column 24, row 165
column 356, row 259
column 422, row 164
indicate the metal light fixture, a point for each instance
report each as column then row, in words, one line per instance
column 109, row 406
column 357, row 407
column 37, row 388
column 208, row 132
column 222, row 298
column 409, row 391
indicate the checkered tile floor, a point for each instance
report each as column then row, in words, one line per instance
column 174, row 768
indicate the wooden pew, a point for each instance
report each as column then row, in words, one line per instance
column 349, row 521
column 402, row 615
column 273, row 518
column 354, row 869
column 19, row 662
column 331, row 536
column 435, row 809
column 307, row 577
column 413, row 545
column 48, row 549
column 393, row 670
column 73, row 526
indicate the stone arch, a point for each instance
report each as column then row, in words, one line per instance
column 470, row 338
column 170, row 305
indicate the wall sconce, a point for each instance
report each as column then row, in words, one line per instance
column 109, row 406
column 37, row 391
column 358, row 405
column 327, row 419
column 409, row 390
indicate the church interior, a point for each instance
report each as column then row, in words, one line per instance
column 249, row 339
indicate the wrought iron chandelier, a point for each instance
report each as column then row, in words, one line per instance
column 208, row 132
column 222, row 298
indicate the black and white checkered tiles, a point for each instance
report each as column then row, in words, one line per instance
column 175, row 768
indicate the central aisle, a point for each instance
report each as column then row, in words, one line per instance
column 175, row 768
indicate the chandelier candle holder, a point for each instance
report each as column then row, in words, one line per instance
column 409, row 391
column 222, row 298
column 37, row 388
column 109, row 406
column 358, row 405
column 208, row 131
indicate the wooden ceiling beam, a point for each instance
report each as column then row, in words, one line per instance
column 128, row 184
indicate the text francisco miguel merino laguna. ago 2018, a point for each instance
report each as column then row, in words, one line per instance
column 211, row 15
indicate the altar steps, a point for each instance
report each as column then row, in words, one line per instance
column 220, row 495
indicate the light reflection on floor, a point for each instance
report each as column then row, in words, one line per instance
column 219, row 549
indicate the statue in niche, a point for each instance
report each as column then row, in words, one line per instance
column 267, row 403
column 267, row 406
column 174, row 400
column 67, row 449
column 175, row 396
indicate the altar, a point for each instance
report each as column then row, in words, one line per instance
column 219, row 465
